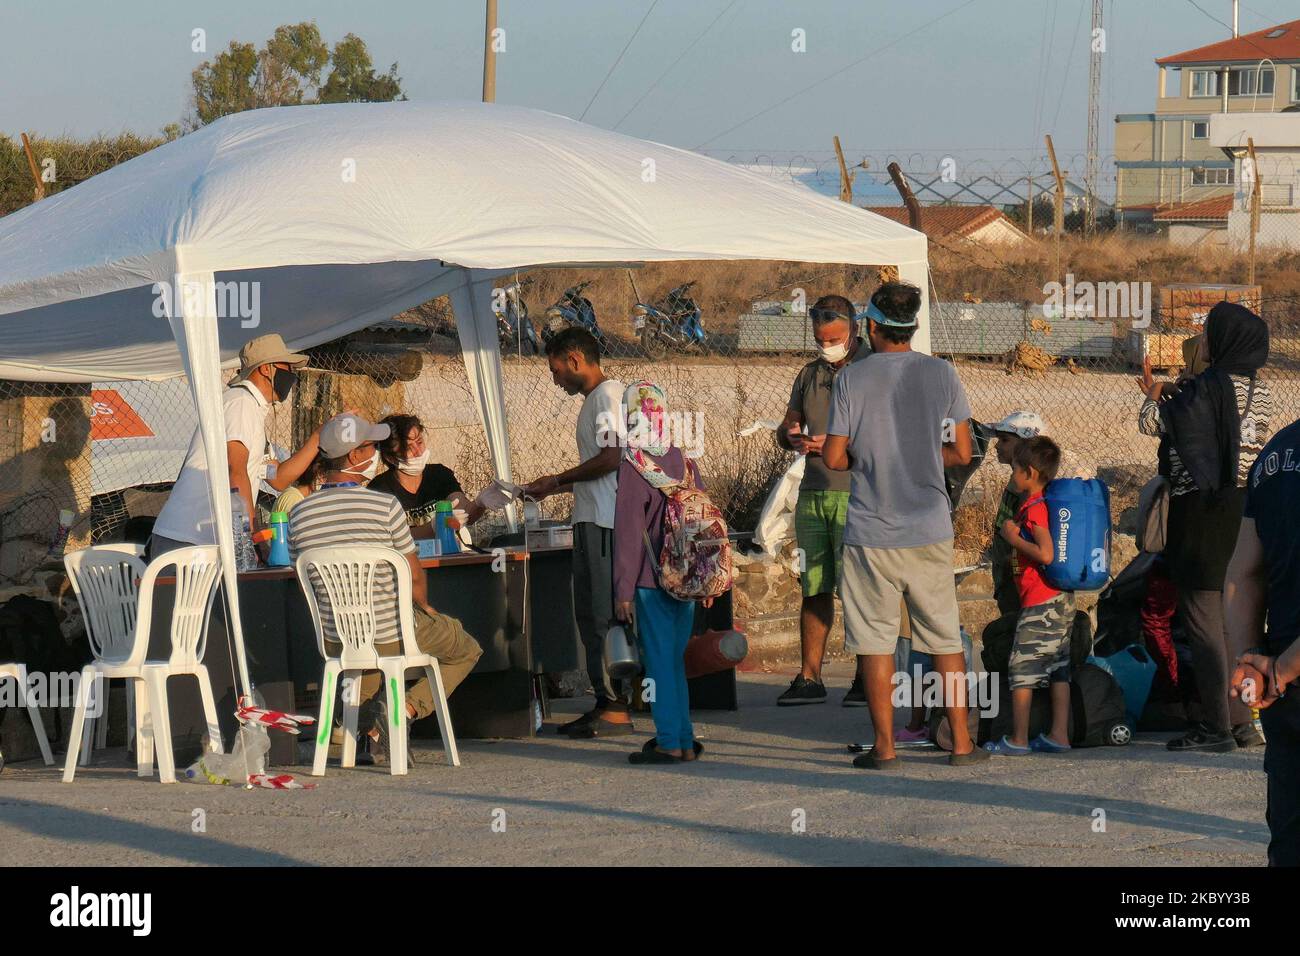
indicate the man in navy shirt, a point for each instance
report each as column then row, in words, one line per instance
column 1261, row 597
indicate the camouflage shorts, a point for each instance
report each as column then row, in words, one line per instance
column 1042, row 643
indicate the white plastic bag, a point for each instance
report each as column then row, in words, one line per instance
column 776, row 520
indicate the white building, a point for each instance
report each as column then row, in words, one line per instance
column 1276, row 138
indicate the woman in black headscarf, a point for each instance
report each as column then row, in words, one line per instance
column 1211, row 429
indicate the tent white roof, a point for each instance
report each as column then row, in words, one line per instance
column 349, row 213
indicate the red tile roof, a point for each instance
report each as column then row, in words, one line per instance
column 1247, row 48
column 939, row 221
column 1215, row 208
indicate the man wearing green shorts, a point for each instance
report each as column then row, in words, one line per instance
column 823, row 494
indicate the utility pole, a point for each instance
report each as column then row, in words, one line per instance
column 846, row 177
column 1058, row 219
column 1255, row 196
column 490, row 55
column 38, row 192
column 1029, row 213
column 1094, row 96
column 905, row 191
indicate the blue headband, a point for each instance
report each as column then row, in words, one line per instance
column 875, row 315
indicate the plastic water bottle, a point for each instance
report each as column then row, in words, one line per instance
column 246, row 757
column 245, row 555
column 448, row 541
column 279, row 557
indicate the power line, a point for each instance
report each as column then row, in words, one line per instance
column 831, row 76
column 1268, row 54
column 1069, row 62
column 615, row 64
column 672, row 65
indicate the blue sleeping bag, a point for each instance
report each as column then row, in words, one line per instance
column 1078, row 515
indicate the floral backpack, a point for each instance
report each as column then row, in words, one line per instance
column 695, row 561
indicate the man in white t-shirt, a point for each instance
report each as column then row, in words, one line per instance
column 574, row 358
column 265, row 376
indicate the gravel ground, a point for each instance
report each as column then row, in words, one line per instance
column 567, row 802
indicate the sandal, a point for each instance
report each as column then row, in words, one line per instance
column 1006, row 748
column 651, row 756
column 653, row 741
column 1043, row 744
column 869, row 761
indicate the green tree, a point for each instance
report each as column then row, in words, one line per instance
column 287, row 72
column 353, row 78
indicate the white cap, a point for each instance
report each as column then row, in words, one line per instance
column 1024, row 424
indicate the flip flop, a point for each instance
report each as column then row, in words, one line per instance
column 650, row 745
column 651, row 756
column 1043, row 744
column 978, row 755
column 1005, row 748
column 869, row 761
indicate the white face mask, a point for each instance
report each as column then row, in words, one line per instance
column 834, row 353
column 368, row 470
column 413, row 466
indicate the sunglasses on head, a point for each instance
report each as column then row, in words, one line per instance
column 828, row 315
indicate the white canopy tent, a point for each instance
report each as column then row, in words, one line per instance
column 329, row 218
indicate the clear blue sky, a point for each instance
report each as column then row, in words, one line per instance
column 968, row 85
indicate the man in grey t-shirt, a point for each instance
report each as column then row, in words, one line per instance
column 898, row 418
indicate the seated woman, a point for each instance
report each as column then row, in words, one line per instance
column 413, row 481
column 300, row 489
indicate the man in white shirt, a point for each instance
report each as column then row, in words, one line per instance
column 574, row 358
column 265, row 376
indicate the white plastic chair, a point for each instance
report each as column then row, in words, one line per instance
column 99, row 724
column 347, row 575
column 19, row 674
column 118, row 608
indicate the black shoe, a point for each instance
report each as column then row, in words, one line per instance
column 381, row 747
column 857, row 695
column 578, row 723
column 1248, row 735
column 1204, row 740
column 803, row 691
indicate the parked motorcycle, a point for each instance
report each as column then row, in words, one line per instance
column 676, row 324
column 514, row 329
column 574, row 310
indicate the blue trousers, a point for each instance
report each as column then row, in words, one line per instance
column 663, row 624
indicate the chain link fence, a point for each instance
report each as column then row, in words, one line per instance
column 99, row 458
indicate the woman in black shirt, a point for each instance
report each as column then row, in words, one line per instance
column 415, row 482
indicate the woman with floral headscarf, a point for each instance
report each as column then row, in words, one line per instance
column 651, row 466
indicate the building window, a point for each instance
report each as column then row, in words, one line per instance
column 1295, row 84
column 1212, row 177
column 1205, row 83
column 1250, row 81
column 1242, row 81
column 1201, row 130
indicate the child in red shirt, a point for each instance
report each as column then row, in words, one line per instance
column 1041, row 653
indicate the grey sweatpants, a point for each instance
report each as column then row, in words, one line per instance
column 1202, row 614
column 593, row 600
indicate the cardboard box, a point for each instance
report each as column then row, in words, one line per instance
column 1184, row 305
column 1164, row 348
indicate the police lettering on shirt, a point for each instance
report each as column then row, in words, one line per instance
column 1270, row 464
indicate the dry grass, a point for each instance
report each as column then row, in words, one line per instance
column 961, row 268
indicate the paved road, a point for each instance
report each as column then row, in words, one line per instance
column 566, row 802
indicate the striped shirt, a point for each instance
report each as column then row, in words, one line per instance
column 1254, row 432
column 349, row 516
